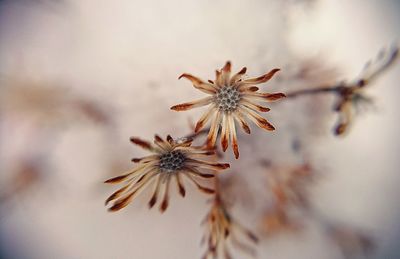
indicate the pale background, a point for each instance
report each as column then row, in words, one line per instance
column 127, row 55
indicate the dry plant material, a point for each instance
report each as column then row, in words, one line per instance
column 289, row 189
column 351, row 95
column 170, row 159
column 232, row 100
column 222, row 231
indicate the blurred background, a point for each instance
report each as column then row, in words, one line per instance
column 79, row 77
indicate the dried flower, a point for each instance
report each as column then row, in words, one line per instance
column 223, row 229
column 171, row 159
column 232, row 98
column 289, row 190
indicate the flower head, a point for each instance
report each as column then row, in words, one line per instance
column 171, row 159
column 222, row 229
column 231, row 99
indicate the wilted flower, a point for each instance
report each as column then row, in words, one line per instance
column 171, row 159
column 289, row 190
column 232, row 98
column 223, row 229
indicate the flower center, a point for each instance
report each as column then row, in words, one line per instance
column 227, row 98
column 172, row 161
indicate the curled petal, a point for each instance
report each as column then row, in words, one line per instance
column 261, row 79
column 267, row 96
column 200, row 84
column 191, row 105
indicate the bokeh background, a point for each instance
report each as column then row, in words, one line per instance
column 79, row 77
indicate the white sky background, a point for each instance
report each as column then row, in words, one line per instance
column 128, row 54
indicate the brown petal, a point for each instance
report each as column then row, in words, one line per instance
column 275, row 96
column 122, row 203
column 204, row 119
column 165, row 202
column 161, row 143
column 170, row 139
column 261, row 79
column 118, row 179
column 144, row 160
column 226, row 72
column 199, row 84
column 164, row 205
column 251, row 89
column 238, row 76
column 254, row 106
column 232, row 129
column 191, row 105
column 239, row 118
column 218, row 78
column 198, row 173
column 227, row 67
column 257, row 119
column 154, row 197
column 207, row 164
column 180, row 185
column 116, row 194
column 213, row 133
column 224, row 132
column 266, row 96
column 142, row 143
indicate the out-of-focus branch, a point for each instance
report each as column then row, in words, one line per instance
column 372, row 70
column 351, row 94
